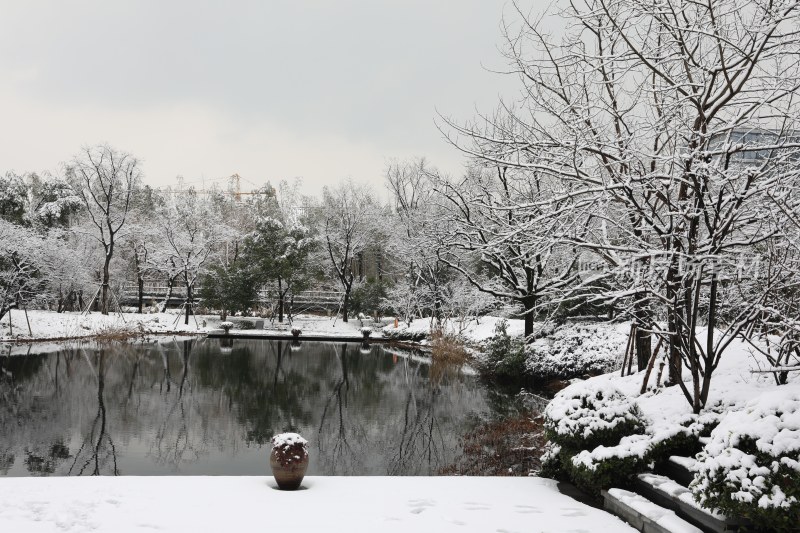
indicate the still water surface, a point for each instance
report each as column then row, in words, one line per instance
column 194, row 407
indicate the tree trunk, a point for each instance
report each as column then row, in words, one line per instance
column 643, row 341
column 189, row 303
column 61, row 301
column 710, row 354
column 141, row 294
column 529, row 304
column 170, row 283
column 280, row 301
column 345, row 304
column 675, row 363
column 106, row 278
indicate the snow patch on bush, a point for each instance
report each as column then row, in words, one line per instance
column 632, row 446
column 750, row 466
column 575, row 350
column 591, row 412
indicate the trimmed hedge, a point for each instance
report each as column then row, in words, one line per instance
column 751, row 466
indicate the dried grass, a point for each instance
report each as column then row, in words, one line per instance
column 117, row 333
column 509, row 447
column 448, row 355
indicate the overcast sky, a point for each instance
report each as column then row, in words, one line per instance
column 268, row 89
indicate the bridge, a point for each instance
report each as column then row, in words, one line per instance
column 156, row 292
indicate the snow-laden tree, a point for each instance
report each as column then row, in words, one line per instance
column 348, row 225
column 68, row 279
column 279, row 250
column 104, row 180
column 772, row 277
column 422, row 287
column 20, row 265
column 679, row 118
column 191, row 234
column 145, row 241
column 34, row 266
column 13, row 198
column 485, row 213
column 231, row 288
column 52, row 201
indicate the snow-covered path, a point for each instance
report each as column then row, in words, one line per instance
column 352, row 504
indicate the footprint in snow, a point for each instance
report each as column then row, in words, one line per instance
column 418, row 506
column 476, row 506
column 527, row 509
column 572, row 512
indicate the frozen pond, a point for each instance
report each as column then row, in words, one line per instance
column 194, row 407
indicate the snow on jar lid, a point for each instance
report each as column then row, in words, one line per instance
column 288, row 440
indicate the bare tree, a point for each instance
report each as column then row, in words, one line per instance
column 484, row 213
column 191, row 237
column 104, row 180
column 347, row 220
column 678, row 120
column 426, row 276
column 21, row 262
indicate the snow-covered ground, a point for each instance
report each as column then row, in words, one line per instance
column 742, row 401
column 733, row 385
column 310, row 325
column 472, row 329
column 352, row 504
column 51, row 325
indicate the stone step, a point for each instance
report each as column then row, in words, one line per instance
column 672, row 495
column 678, row 468
column 643, row 514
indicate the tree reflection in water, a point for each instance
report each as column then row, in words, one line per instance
column 97, row 450
column 188, row 407
column 338, row 452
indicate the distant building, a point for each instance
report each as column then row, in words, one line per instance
column 758, row 145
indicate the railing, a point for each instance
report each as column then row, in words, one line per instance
column 158, row 291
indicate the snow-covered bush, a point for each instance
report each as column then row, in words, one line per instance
column 680, row 436
column 590, row 414
column 366, row 299
column 574, row 350
column 550, row 461
column 596, row 436
column 751, row 466
column 505, row 355
column 608, row 466
column 599, row 438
